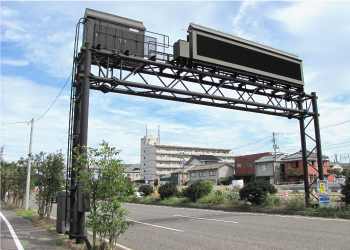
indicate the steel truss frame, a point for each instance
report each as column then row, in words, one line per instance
column 200, row 84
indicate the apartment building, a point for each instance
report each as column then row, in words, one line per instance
column 159, row 160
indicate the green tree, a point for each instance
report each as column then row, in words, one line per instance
column 13, row 180
column 156, row 182
column 336, row 171
column 103, row 181
column 197, row 190
column 293, row 173
column 167, row 190
column 146, row 189
column 50, row 179
column 225, row 180
column 7, row 170
column 346, row 187
column 255, row 191
column 21, row 180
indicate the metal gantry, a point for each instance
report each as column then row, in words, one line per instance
column 159, row 76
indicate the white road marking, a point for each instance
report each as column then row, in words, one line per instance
column 152, row 225
column 13, row 233
column 198, row 218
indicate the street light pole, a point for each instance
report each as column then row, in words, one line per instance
column 28, row 168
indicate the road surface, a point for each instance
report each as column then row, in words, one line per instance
column 158, row 227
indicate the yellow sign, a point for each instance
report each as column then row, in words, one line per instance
column 323, row 188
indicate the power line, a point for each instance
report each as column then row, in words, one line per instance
column 328, row 126
column 252, row 143
column 14, row 123
column 47, row 109
column 332, row 125
column 55, row 98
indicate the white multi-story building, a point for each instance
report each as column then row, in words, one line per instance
column 159, row 160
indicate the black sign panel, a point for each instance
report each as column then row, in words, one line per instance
column 235, row 54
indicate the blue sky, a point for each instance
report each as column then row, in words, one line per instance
column 36, row 59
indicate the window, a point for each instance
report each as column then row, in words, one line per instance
column 201, row 174
column 250, row 164
column 193, row 174
column 263, row 167
column 238, row 165
column 128, row 175
column 212, row 173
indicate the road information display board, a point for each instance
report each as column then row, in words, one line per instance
column 323, row 193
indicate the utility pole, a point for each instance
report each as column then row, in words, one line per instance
column 274, row 148
column 28, row 169
column 2, row 152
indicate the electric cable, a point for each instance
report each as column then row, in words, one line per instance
column 55, row 98
column 252, row 143
column 47, row 109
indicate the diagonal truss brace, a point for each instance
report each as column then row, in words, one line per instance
column 219, row 88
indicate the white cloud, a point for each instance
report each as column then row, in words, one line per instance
column 14, row 62
column 44, row 34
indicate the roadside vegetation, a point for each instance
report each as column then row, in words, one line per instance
column 257, row 196
column 46, row 177
column 103, row 184
column 107, row 188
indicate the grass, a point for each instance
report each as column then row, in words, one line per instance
column 29, row 215
column 174, row 200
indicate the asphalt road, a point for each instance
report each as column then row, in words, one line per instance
column 158, row 227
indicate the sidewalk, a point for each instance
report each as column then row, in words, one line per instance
column 29, row 236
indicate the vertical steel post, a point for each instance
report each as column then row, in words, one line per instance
column 76, row 142
column 84, row 120
column 317, row 137
column 304, row 155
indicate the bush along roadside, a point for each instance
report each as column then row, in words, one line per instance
column 268, row 202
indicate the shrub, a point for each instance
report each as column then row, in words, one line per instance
column 197, row 190
column 167, row 190
column 269, row 200
column 296, row 203
column 214, row 199
column 255, row 190
column 208, row 186
column 218, row 193
column 146, row 189
column 225, row 180
column 234, row 194
column 179, row 194
column 346, row 190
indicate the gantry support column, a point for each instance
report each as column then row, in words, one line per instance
column 80, row 126
column 317, row 137
column 304, row 155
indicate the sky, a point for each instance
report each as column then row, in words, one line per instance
column 37, row 41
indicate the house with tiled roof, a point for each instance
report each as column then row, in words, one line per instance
column 202, row 160
column 132, row 171
column 293, row 164
column 269, row 167
column 210, row 172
